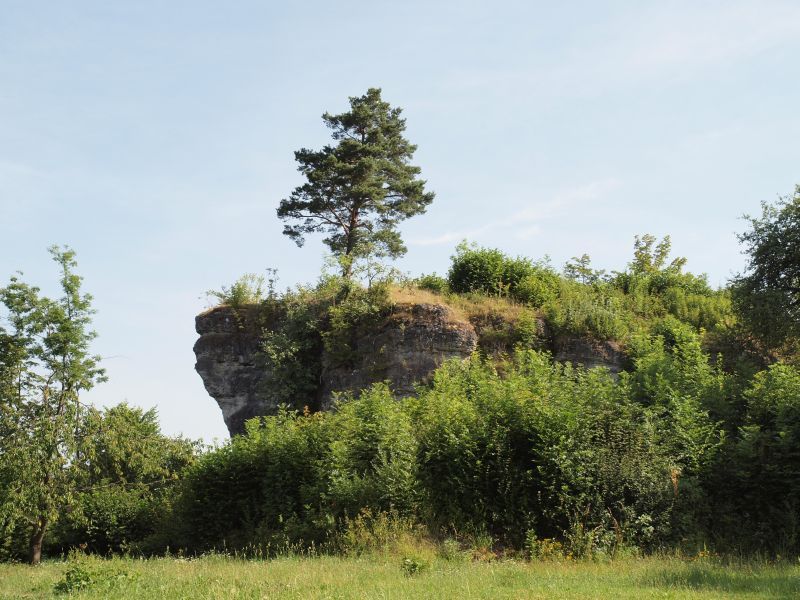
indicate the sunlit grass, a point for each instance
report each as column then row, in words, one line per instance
column 464, row 306
column 383, row 576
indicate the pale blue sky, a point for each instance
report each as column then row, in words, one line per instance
column 156, row 138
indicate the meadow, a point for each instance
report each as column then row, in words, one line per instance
column 389, row 576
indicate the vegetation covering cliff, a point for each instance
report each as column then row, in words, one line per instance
column 306, row 346
column 684, row 437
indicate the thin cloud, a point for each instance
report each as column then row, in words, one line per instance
column 664, row 44
column 524, row 223
column 450, row 237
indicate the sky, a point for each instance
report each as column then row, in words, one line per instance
column 157, row 139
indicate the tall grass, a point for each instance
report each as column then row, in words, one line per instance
column 387, row 576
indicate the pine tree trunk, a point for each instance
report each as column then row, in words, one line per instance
column 37, row 537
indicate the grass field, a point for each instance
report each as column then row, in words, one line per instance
column 386, row 577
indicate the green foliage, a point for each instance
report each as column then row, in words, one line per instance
column 585, row 302
column 537, row 288
column 302, row 323
column 261, row 488
column 627, row 303
column 372, row 461
column 248, row 289
column 542, row 549
column 489, row 271
column 127, row 482
column 360, row 189
column 541, row 447
column 370, row 533
column 83, row 574
column 703, row 311
column 755, row 488
column 588, row 464
column 46, row 365
column 291, row 344
column 596, row 311
column 413, row 565
column 298, row 479
column 476, row 269
column 76, row 578
column 355, row 316
column 580, row 269
column 592, row 464
column 485, row 270
column 433, row 283
column 767, row 295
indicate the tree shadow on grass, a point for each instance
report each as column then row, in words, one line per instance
column 769, row 582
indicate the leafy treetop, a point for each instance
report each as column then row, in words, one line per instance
column 768, row 293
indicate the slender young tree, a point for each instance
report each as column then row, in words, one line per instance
column 45, row 365
column 358, row 190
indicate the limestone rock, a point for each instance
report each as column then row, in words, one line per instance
column 409, row 345
column 227, row 362
column 589, row 353
column 404, row 349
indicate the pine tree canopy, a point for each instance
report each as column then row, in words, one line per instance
column 358, row 190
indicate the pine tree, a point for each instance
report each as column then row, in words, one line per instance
column 358, row 190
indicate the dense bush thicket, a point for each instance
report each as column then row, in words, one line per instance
column 524, row 451
column 126, row 481
column 584, row 301
column 685, row 450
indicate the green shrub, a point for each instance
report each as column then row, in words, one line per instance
column 537, row 446
column 371, row 463
column 754, row 487
column 291, row 345
column 542, row 549
column 370, row 532
column 489, row 271
column 478, row 270
column 248, row 289
column 433, row 283
column 596, row 311
column 413, row 565
column 85, row 573
column 700, row 310
column 129, row 480
column 77, row 577
column 537, row 287
column 450, row 550
column 302, row 323
column 259, row 487
column 354, row 316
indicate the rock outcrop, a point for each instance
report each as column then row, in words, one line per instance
column 409, row 346
column 404, row 349
column 589, row 353
column 227, row 354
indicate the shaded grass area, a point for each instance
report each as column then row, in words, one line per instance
column 381, row 576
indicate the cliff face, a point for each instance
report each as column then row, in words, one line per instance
column 404, row 349
column 228, row 363
column 409, row 346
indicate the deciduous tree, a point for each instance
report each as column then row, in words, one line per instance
column 45, row 365
column 767, row 294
